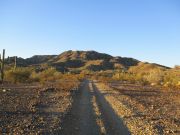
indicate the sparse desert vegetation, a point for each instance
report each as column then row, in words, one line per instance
column 45, row 94
column 34, row 102
column 90, row 67
column 33, row 108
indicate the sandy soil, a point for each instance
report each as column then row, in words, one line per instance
column 91, row 114
column 27, row 109
column 144, row 109
column 95, row 108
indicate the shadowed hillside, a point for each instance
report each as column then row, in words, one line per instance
column 77, row 61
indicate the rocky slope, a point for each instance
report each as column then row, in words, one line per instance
column 78, row 61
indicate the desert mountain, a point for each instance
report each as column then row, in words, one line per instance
column 78, row 61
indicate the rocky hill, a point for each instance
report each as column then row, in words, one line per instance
column 78, row 61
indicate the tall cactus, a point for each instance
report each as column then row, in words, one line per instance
column 2, row 66
column 15, row 62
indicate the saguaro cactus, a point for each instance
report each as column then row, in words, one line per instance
column 2, row 66
column 15, row 62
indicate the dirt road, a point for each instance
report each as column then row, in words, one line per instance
column 95, row 109
column 91, row 114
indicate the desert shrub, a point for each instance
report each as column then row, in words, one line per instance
column 167, row 78
column 71, row 77
column 155, row 76
column 104, row 79
column 56, row 79
column 81, row 76
column 67, row 82
column 47, row 75
column 35, row 77
column 172, row 78
column 142, row 68
column 129, row 77
column 146, row 73
column 20, row 75
column 158, row 76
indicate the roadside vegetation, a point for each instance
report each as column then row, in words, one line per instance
column 35, row 101
column 35, row 98
column 145, row 93
column 144, row 74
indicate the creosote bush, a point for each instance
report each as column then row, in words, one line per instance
column 169, row 78
column 47, row 75
column 157, row 76
column 20, row 75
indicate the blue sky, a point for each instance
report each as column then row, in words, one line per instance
column 148, row 30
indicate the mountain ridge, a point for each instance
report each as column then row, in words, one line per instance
column 79, row 60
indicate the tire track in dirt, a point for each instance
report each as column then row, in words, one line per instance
column 136, row 124
column 81, row 119
column 113, row 123
column 91, row 114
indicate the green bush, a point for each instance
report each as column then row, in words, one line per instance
column 20, row 75
column 47, row 75
column 129, row 77
column 172, row 78
column 155, row 76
